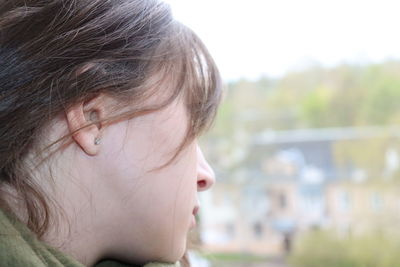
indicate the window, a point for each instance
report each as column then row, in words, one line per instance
column 258, row 230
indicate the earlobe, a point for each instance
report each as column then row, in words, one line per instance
column 78, row 118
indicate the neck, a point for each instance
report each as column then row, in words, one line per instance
column 71, row 230
column 78, row 239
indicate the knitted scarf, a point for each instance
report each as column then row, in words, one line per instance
column 19, row 247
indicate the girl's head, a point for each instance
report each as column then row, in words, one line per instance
column 101, row 102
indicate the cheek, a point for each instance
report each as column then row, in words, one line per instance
column 176, row 187
column 129, row 155
column 173, row 197
column 151, row 205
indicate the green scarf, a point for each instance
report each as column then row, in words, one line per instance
column 19, row 247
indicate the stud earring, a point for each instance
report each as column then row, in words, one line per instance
column 97, row 141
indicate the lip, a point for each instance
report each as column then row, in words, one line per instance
column 194, row 213
column 196, row 210
column 193, row 222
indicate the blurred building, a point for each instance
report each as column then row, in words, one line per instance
column 355, row 208
column 290, row 182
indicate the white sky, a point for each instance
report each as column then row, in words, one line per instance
column 254, row 37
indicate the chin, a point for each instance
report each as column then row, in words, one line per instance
column 175, row 255
column 162, row 254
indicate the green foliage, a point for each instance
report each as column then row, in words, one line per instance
column 347, row 95
column 315, row 107
column 382, row 100
column 236, row 257
column 323, row 248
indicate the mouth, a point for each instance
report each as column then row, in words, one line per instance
column 196, row 210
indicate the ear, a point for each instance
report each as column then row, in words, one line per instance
column 82, row 114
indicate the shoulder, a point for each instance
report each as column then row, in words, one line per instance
column 20, row 247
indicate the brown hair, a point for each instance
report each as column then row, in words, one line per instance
column 55, row 53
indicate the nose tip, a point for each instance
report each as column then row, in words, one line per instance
column 205, row 174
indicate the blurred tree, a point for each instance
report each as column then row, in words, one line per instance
column 347, row 95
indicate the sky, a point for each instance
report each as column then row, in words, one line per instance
column 252, row 38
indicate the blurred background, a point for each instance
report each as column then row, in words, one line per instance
column 306, row 145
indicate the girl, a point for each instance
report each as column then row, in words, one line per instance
column 101, row 102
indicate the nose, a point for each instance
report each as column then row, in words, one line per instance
column 205, row 174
